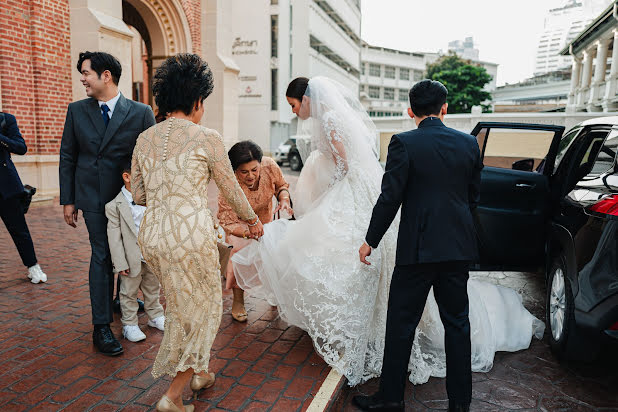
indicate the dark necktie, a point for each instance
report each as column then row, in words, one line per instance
column 104, row 111
column 133, row 202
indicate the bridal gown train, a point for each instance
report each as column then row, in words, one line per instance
column 309, row 268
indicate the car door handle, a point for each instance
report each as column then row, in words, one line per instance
column 524, row 185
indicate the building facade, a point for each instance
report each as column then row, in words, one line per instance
column 542, row 93
column 594, row 58
column 387, row 76
column 41, row 41
column 276, row 41
column 561, row 26
column 464, row 48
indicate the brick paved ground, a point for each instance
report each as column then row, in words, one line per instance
column 529, row 380
column 48, row 363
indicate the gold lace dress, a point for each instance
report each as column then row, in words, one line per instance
column 173, row 162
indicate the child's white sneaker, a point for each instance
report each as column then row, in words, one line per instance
column 158, row 322
column 36, row 274
column 133, row 333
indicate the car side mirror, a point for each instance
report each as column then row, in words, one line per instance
column 525, row 165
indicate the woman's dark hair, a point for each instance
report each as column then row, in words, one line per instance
column 243, row 152
column 297, row 88
column 99, row 62
column 427, row 97
column 181, row 82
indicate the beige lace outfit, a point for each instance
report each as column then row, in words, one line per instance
column 172, row 164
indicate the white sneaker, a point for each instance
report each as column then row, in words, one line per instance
column 158, row 322
column 133, row 333
column 36, row 274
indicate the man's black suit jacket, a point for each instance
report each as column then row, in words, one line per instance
column 92, row 156
column 11, row 141
column 434, row 174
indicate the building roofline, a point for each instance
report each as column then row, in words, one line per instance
column 598, row 24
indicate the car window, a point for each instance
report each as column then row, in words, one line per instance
column 520, row 149
column 599, row 156
column 565, row 144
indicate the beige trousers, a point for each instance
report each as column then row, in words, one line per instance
column 149, row 285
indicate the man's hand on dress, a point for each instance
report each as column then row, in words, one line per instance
column 363, row 252
column 70, row 215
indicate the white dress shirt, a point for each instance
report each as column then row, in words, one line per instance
column 137, row 211
column 111, row 104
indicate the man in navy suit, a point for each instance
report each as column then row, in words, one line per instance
column 11, row 191
column 98, row 140
column 433, row 174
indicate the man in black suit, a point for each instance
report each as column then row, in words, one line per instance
column 11, row 192
column 98, row 140
column 433, row 173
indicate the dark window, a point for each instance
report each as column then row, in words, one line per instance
column 274, row 90
column 274, row 35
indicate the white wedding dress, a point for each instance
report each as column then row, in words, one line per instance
column 309, row 268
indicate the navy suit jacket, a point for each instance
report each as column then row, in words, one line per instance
column 11, row 141
column 92, row 156
column 434, row 174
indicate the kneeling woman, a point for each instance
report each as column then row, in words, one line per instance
column 262, row 180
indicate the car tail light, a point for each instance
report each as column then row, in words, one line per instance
column 614, row 326
column 608, row 205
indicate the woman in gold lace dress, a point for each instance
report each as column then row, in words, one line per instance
column 173, row 162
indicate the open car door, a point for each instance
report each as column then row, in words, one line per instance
column 512, row 216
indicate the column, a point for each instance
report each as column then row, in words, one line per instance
column 575, row 78
column 610, row 88
column 585, row 80
column 599, row 72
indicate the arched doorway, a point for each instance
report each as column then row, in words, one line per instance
column 163, row 30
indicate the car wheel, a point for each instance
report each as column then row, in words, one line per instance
column 565, row 339
column 295, row 162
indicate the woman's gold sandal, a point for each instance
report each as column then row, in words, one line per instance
column 199, row 382
column 239, row 298
column 165, row 404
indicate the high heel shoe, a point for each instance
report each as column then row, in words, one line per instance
column 198, row 382
column 165, row 404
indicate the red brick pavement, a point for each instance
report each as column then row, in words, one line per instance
column 48, row 363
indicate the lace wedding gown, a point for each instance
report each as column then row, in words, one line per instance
column 309, row 268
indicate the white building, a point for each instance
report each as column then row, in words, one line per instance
column 464, row 48
column 542, row 93
column 595, row 65
column 279, row 40
column 387, row 76
column 562, row 25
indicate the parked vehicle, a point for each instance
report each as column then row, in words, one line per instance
column 287, row 152
column 550, row 200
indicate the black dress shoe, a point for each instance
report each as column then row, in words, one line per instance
column 140, row 304
column 458, row 407
column 374, row 403
column 104, row 340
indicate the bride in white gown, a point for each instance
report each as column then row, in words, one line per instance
column 309, row 268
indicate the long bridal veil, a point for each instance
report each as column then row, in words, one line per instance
column 309, row 268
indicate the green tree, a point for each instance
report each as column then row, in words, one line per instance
column 464, row 81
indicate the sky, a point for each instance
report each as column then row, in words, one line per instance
column 505, row 31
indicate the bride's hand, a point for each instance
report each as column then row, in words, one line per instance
column 363, row 252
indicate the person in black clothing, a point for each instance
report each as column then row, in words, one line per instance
column 11, row 191
column 433, row 173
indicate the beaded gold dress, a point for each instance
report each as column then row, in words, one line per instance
column 173, row 162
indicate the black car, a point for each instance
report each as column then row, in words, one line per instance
column 288, row 152
column 550, row 200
